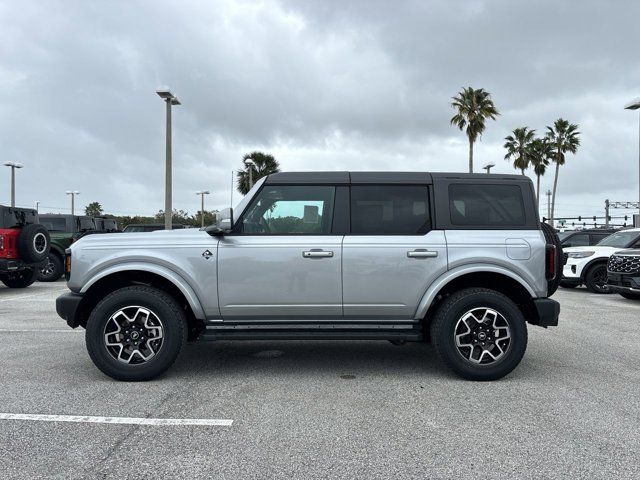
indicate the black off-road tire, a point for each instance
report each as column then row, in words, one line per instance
column 21, row 279
column 167, row 310
column 52, row 270
column 592, row 279
column 33, row 243
column 630, row 295
column 551, row 237
column 453, row 309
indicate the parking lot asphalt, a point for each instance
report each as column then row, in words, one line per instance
column 325, row 409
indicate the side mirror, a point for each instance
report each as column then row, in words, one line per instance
column 224, row 223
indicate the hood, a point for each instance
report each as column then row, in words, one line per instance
column 184, row 236
column 594, row 248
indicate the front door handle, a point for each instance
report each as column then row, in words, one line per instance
column 421, row 253
column 317, row 254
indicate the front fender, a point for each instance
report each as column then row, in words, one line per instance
column 164, row 272
column 452, row 274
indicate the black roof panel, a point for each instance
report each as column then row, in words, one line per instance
column 308, row 178
column 407, row 178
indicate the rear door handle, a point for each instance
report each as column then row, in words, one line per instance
column 421, row 253
column 317, row 254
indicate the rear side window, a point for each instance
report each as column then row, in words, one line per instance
column 491, row 205
column 390, row 210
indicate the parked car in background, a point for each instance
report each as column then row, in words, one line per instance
column 623, row 273
column 24, row 246
column 150, row 227
column 64, row 230
column 584, row 238
column 588, row 265
column 105, row 225
column 460, row 260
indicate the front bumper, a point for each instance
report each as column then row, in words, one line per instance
column 546, row 311
column 621, row 282
column 68, row 307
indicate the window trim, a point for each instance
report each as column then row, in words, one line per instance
column 236, row 231
column 430, row 209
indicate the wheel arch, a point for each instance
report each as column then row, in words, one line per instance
column 590, row 264
column 114, row 278
column 488, row 276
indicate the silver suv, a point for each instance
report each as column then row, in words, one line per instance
column 460, row 260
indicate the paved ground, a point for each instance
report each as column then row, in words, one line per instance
column 326, row 409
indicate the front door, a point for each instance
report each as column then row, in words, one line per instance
column 283, row 262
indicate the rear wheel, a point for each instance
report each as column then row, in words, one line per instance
column 596, row 278
column 479, row 333
column 630, row 296
column 21, row 279
column 135, row 333
column 52, row 270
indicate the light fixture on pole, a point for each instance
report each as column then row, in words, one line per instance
column 250, row 165
column 73, row 194
column 489, row 166
column 202, row 193
column 170, row 99
column 635, row 105
column 13, row 166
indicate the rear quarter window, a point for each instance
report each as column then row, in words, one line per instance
column 488, row 205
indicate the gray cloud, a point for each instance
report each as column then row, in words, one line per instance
column 322, row 85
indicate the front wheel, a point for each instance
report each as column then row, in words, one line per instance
column 21, row 279
column 135, row 333
column 596, row 279
column 479, row 333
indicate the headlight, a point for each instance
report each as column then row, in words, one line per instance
column 579, row 254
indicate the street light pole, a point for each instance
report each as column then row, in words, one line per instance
column 37, row 206
column 13, row 166
column 250, row 164
column 489, row 166
column 73, row 194
column 635, row 105
column 202, row 193
column 549, row 206
column 170, row 99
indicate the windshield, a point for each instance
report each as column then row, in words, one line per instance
column 619, row 239
column 563, row 235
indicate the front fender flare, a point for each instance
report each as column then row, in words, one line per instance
column 448, row 276
column 164, row 272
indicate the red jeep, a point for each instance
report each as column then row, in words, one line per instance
column 24, row 246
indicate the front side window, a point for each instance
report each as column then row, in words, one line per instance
column 486, row 205
column 390, row 210
column 619, row 240
column 290, row 210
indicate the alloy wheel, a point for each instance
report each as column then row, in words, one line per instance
column 482, row 336
column 133, row 335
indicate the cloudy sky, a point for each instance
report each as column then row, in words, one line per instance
column 322, row 85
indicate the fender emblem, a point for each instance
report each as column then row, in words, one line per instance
column 207, row 254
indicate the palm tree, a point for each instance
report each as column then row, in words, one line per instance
column 263, row 164
column 564, row 138
column 518, row 146
column 473, row 108
column 540, row 157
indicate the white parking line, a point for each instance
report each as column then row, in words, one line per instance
column 41, row 330
column 22, row 297
column 118, row 420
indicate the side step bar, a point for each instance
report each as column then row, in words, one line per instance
column 410, row 332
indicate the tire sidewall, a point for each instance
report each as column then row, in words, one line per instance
column 26, row 246
column 174, row 333
column 57, row 273
column 21, row 279
column 445, row 336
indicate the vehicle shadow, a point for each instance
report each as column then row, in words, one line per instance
column 278, row 358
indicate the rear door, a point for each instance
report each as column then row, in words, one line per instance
column 284, row 262
column 391, row 254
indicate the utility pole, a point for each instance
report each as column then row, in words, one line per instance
column 170, row 99
column 231, row 204
column 37, row 207
column 606, row 213
column 13, row 166
column 202, row 193
column 549, row 206
column 250, row 165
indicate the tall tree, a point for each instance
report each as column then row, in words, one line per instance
column 263, row 164
column 473, row 107
column 518, row 146
column 94, row 209
column 564, row 138
column 540, row 157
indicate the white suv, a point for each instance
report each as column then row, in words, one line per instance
column 588, row 265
